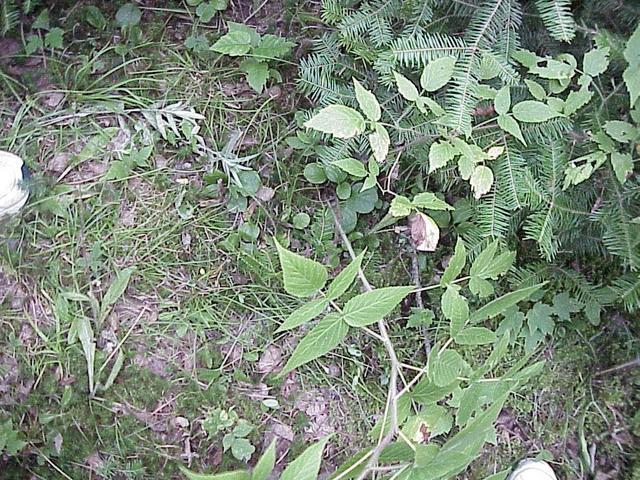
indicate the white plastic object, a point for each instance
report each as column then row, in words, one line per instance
column 533, row 470
column 13, row 193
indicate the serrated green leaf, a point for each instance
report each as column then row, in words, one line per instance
column 480, row 287
column 367, row 102
column 234, row 43
column 302, row 276
column 536, row 90
column 235, row 475
column 455, row 308
column 400, row 207
column 429, row 201
column 509, row 125
column 502, row 102
column 305, row 313
column 437, row 73
column 352, row 167
column 576, row 100
column 426, row 392
column 456, row 264
column 321, row 339
column 272, row 46
column 345, row 278
column 379, row 141
column 369, row 307
column 307, row 465
column 266, row 464
column 206, row 11
column 474, row 336
column 531, row 111
column 440, row 153
column 631, row 78
column 622, row 164
column 481, row 180
column 337, row 120
column 406, row 87
column 596, row 61
column 499, row 305
column 446, row 367
column 257, row 73
column 621, row 131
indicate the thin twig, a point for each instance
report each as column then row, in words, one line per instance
column 415, row 273
column 629, row 364
column 392, row 401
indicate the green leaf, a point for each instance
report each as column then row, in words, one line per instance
column 455, row 308
column 406, row 87
column 631, row 77
column 235, row 475
column 481, row 180
column 128, row 15
column 487, row 265
column 620, row 131
column 622, row 164
column 321, row 339
column 367, row 102
column 480, row 287
column 94, row 17
column 54, row 38
column 301, row 315
column 456, row 264
column 474, row 336
column 539, row 319
column 352, row 167
column 509, row 125
column 536, row 90
column 307, row 465
column 87, row 340
column 345, row 278
column 576, row 100
column 115, row 291
column 379, row 141
column 426, row 392
column 300, row 220
column 361, row 201
column 499, row 305
column 257, row 73
column 502, row 102
column 266, row 464
column 429, row 201
column 369, row 307
column 235, row 43
column 437, row 73
column 400, row 207
column 302, row 276
column 596, row 61
column 206, row 11
column 445, row 367
column 531, row 111
column 242, row 449
column 439, row 155
column 337, row 120
column 272, row 46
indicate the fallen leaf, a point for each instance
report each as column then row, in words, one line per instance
column 270, row 361
column 424, row 232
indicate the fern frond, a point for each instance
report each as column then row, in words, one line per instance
column 418, row 50
column 557, row 17
column 493, row 216
column 508, row 172
column 627, row 290
column 9, row 16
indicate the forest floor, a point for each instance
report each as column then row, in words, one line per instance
column 129, row 232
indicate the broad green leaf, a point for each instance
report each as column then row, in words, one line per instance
column 301, row 315
column 429, row 201
column 367, row 102
column 531, row 111
column 539, row 318
column 352, row 167
column 235, row 475
column 425, row 102
column 302, row 276
column 337, row 120
column 474, row 336
column 115, row 291
column 499, row 305
column 439, row 155
column 456, row 264
column 455, row 308
column 502, row 102
column 632, row 51
column 362, row 201
column 481, row 180
column 437, row 73
column 480, row 287
column 445, row 367
column 257, row 73
column 509, row 125
column 344, row 279
column 465, row 167
column 622, row 164
column 128, row 15
column 54, row 38
column 621, row 131
column 487, row 265
column 426, row 392
column 369, row 307
column 234, row 43
column 400, row 207
column 272, row 46
column 631, row 77
column 307, row 465
column 406, row 87
column 206, row 11
column 576, row 100
column 321, row 339
column 434, row 418
column 536, row 90
column 314, row 173
column 596, row 61
column 265, row 465
column 379, row 141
